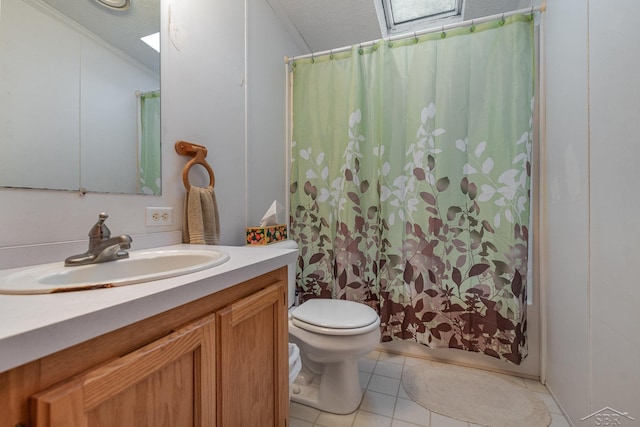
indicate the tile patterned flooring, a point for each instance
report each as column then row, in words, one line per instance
column 385, row 403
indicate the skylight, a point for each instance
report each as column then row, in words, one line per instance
column 152, row 40
column 404, row 11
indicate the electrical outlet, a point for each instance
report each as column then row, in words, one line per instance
column 158, row 216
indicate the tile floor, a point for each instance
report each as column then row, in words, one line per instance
column 385, row 403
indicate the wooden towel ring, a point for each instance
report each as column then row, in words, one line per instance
column 198, row 152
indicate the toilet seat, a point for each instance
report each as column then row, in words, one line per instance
column 335, row 317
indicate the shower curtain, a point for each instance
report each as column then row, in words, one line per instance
column 149, row 144
column 410, row 182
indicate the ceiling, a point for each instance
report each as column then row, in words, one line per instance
column 319, row 25
column 314, row 25
column 121, row 29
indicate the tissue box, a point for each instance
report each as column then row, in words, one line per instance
column 266, row 235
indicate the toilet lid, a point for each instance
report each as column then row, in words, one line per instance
column 335, row 314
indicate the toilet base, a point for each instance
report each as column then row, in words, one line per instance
column 336, row 390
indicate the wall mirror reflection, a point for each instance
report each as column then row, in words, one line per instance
column 80, row 95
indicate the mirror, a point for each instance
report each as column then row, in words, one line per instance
column 79, row 96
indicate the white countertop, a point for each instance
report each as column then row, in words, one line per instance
column 33, row 326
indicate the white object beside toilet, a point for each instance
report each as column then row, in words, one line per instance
column 332, row 335
column 295, row 364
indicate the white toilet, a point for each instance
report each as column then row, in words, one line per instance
column 332, row 335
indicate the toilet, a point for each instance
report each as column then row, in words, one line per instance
column 332, row 335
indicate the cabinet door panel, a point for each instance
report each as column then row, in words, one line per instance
column 170, row 382
column 252, row 361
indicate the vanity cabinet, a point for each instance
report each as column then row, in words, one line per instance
column 252, row 369
column 169, row 382
column 220, row 361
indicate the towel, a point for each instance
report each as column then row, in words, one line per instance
column 201, row 223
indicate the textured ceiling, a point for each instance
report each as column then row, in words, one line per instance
column 328, row 24
column 319, row 25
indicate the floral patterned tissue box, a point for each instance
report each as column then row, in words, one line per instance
column 266, row 235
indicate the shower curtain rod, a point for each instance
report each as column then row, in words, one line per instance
column 541, row 8
column 139, row 93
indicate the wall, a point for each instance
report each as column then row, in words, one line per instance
column 203, row 100
column 267, row 45
column 590, row 168
column 615, row 153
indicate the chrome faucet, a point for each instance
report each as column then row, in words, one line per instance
column 102, row 247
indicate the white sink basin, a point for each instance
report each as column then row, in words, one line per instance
column 142, row 266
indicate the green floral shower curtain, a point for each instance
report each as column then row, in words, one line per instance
column 149, row 147
column 410, row 183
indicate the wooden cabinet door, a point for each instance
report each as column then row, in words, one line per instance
column 253, row 386
column 170, row 382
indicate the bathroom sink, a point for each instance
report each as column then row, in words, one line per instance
column 142, row 266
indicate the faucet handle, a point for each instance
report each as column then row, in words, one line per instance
column 100, row 230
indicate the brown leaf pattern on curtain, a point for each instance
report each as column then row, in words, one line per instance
column 449, row 306
column 448, row 286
